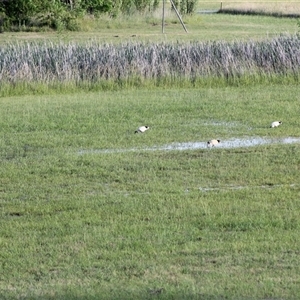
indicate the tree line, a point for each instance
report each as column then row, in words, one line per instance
column 62, row 14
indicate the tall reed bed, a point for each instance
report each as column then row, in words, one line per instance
column 49, row 63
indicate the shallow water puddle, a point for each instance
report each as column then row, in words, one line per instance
column 257, row 141
column 226, row 144
column 240, row 187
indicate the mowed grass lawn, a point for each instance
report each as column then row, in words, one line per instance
column 193, row 224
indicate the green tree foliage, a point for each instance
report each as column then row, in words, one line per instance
column 26, row 12
column 97, row 6
column 128, row 6
column 185, row 6
column 58, row 15
column 62, row 14
column 19, row 10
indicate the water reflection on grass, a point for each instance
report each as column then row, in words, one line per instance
column 225, row 144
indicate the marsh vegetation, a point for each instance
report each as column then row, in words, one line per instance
column 134, row 63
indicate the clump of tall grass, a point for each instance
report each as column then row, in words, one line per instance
column 49, row 63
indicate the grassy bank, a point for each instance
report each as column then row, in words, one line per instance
column 144, row 224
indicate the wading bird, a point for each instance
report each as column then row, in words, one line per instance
column 142, row 129
column 276, row 124
column 213, row 143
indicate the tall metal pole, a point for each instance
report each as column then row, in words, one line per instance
column 163, row 18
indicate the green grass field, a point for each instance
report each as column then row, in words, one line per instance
column 194, row 224
column 91, row 210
